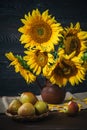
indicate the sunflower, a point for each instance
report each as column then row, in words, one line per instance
column 26, row 74
column 37, row 59
column 74, row 39
column 40, row 29
column 66, row 69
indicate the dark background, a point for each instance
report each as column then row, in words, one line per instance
column 11, row 11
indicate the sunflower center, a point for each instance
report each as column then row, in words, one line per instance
column 65, row 69
column 41, row 58
column 40, row 32
column 72, row 43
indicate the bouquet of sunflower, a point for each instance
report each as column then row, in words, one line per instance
column 58, row 53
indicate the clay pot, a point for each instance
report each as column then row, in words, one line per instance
column 53, row 94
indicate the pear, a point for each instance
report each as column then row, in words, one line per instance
column 41, row 107
column 13, row 106
column 27, row 109
column 28, row 97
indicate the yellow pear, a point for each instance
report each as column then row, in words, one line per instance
column 28, row 97
column 27, row 109
column 13, row 106
column 41, row 107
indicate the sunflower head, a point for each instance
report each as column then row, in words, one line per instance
column 66, row 69
column 74, row 39
column 36, row 59
column 40, row 29
column 21, row 66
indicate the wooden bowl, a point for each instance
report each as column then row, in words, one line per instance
column 27, row 118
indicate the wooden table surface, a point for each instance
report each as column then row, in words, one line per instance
column 55, row 121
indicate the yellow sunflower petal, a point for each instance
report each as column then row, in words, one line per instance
column 39, row 71
column 10, row 56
